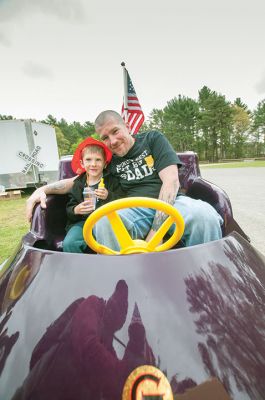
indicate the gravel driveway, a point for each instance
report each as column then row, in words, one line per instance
column 246, row 190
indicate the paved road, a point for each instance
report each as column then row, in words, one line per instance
column 246, row 190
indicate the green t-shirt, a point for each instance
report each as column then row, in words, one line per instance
column 138, row 169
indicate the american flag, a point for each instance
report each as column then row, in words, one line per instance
column 135, row 113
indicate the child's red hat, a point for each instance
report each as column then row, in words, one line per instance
column 76, row 165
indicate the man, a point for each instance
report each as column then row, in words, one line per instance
column 146, row 165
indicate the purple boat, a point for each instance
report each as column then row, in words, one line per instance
column 185, row 324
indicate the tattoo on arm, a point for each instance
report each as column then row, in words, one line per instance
column 57, row 186
column 160, row 217
column 168, row 197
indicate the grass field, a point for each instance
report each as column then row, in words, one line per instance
column 13, row 225
column 238, row 164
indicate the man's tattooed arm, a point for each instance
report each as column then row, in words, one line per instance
column 39, row 195
column 56, row 187
column 168, row 193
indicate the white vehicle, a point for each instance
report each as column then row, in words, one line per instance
column 28, row 154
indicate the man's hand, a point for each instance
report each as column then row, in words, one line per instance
column 150, row 235
column 39, row 196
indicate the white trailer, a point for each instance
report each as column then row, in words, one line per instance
column 28, row 154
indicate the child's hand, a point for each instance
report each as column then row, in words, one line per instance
column 101, row 193
column 86, row 207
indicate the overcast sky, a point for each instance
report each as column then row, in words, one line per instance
column 62, row 57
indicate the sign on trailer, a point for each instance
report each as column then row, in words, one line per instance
column 28, row 153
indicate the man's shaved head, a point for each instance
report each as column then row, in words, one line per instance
column 104, row 116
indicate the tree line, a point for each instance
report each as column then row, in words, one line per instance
column 212, row 126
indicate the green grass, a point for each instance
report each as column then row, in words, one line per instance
column 235, row 164
column 13, row 225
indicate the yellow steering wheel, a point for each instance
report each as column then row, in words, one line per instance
column 127, row 244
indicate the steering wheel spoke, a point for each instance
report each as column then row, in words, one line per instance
column 122, row 235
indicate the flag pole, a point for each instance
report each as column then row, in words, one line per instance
column 125, row 100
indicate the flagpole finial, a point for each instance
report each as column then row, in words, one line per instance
column 123, row 64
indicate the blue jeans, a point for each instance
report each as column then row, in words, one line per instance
column 202, row 223
column 74, row 240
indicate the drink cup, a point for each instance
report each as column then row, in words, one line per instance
column 90, row 196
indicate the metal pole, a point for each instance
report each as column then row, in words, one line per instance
column 125, row 100
column 31, row 146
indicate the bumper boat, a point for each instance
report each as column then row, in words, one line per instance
column 185, row 323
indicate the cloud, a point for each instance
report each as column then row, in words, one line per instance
column 4, row 40
column 36, row 71
column 260, row 86
column 70, row 10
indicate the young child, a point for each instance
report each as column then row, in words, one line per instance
column 89, row 161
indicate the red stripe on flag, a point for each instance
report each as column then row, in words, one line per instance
column 134, row 110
